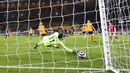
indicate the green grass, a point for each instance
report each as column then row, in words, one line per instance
column 19, row 51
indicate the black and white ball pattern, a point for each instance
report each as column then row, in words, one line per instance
column 81, row 54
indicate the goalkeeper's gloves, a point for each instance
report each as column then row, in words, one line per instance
column 74, row 52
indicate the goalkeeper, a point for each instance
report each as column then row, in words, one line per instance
column 53, row 40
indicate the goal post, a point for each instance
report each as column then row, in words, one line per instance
column 105, row 37
column 117, row 12
column 105, row 34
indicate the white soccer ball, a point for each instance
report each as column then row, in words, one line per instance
column 81, row 54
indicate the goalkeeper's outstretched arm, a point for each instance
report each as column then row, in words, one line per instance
column 61, row 44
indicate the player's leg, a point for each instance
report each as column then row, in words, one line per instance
column 6, row 36
column 94, row 38
column 111, row 35
column 38, row 44
column 91, row 37
column 114, row 34
column 90, row 34
column 30, row 36
column 84, row 34
column 116, row 37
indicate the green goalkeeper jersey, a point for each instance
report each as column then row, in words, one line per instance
column 53, row 40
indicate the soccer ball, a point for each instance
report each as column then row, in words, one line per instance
column 81, row 54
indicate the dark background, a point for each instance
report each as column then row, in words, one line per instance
column 24, row 13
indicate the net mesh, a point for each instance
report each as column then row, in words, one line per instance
column 17, row 53
column 118, row 15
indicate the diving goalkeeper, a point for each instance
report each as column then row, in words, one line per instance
column 53, row 40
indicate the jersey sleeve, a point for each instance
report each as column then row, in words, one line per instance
column 61, row 43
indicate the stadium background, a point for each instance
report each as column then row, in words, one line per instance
column 25, row 13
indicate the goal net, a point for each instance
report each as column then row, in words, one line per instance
column 17, row 53
column 117, row 13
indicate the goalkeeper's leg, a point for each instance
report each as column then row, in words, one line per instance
column 38, row 44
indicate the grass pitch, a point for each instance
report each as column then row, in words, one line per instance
column 18, row 51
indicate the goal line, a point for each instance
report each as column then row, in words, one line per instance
column 62, row 68
column 58, row 68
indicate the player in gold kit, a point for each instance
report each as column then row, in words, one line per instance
column 42, row 30
column 90, row 30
